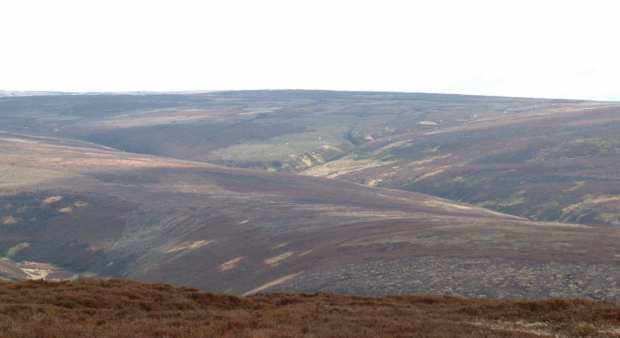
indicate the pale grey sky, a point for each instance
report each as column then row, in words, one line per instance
column 560, row 49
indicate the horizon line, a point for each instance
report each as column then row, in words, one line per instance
column 32, row 93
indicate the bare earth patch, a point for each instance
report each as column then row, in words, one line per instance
column 43, row 271
column 36, row 274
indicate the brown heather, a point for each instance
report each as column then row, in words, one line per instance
column 116, row 308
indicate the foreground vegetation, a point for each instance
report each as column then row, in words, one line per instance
column 118, row 308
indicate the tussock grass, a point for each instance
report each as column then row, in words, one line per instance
column 117, row 308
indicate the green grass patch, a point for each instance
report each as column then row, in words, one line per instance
column 581, row 149
column 431, row 149
column 609, row 217
column 511, row 200
column 461, row 182
column 15, row 249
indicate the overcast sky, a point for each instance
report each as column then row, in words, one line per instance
column 558, row 49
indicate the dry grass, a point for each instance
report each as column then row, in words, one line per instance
column 52, row 199
column 188, row 245
column 128, row 309
column 9, row 220
column 231, row 264
column 274, row 261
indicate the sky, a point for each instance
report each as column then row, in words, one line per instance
column 544, row 48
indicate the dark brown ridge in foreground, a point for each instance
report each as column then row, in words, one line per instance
column 116, row 308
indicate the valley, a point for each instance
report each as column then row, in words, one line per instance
column 305, row 191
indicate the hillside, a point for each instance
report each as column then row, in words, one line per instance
column 546, row 160
column 75, row 209
column 109, row 308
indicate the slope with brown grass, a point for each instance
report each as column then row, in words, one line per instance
column 116, row 308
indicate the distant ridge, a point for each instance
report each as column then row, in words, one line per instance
column 281, row 91
column 15, row 93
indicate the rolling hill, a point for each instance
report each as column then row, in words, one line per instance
column 216, row 191
column 546, row 160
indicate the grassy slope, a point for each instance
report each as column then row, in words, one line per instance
column 123, row 309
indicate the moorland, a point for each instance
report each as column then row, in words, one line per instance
column 128, row 309
column 307, row 191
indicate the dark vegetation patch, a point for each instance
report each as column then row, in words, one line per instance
column 239, row 182
column 61, row 228
column 121, row 309
column 126, row 178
